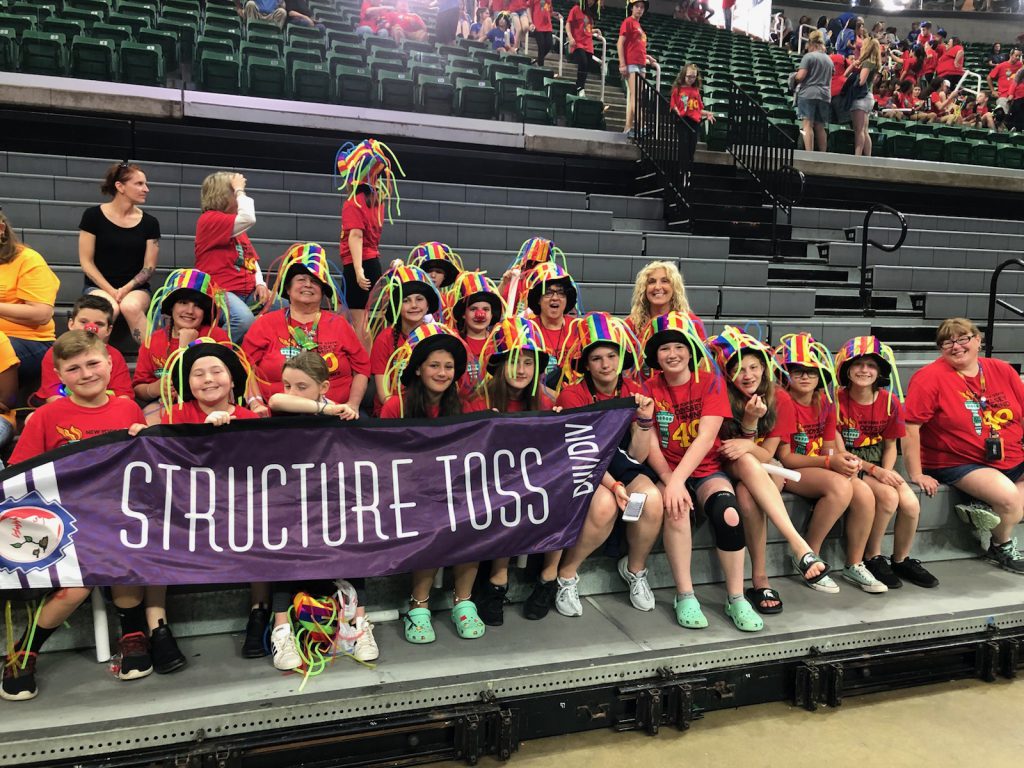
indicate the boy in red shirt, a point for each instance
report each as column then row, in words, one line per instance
column 688, row 104
column 95, row 315
column 83, row 365
column 1002, row 75
column 581, row 32
column 632, row 50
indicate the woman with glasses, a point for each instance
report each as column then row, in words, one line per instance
column 964, row 429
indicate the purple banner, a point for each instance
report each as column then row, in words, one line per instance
column 303, row 498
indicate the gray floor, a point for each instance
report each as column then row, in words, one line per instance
column 82, row 709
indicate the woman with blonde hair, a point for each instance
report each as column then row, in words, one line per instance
column 862, row 102
column 659, row 288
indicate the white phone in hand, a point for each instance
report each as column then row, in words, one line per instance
column 634, row 507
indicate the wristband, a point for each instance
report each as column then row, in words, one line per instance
column 871, row 469
column 828, row 462
column 616, row 484
column 254, row 399
column 323, row 406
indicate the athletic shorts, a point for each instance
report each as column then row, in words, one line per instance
column 355, row 296
column 953, row 475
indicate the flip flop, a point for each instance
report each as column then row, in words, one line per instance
column 804, row 564
column 757, row 595
column 418, row 628
column 467, row 620
column 689, row 614
column 744, row 616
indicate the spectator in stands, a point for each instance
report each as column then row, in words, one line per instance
column 859, row 35
column 501, row 35
column 311, row 321
column 727, row 6
column 224, row 252
column 84, row 367
column 943, row 103
column 977, row 114
column 997, row 56
column 1017, row 105
column 915, row 30
column 541, row 15
column 687, row 103
column 836, row 25
column 920, row 108
column 186, row 307
column 371, row 20
column 913, row 64
column 870, row 423
column 1002, row 89
column 931, row 61
column 690, row 405
column 28, row 290
column 814, row 76
column 951, row 63
column 846, row 40
column 519, row 20
column 861, row 101
column 633, row 58
column 823, row 27
column 658, row 290
column 839, row 65
column 924, row 34
column 301, row 14
column 964, row 416
column 483, row 25
column 263, row 10
column 424, row 384
column 828, row 478
column 581, row 32
column 553, row 297
column 787, row 30
column 119, row 244
column 405, row 25
column 446, row 25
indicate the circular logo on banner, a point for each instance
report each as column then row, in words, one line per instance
column 33, row 533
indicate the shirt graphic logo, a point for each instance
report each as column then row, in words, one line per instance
column 34, row 533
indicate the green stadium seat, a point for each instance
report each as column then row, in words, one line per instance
column 311, row 82
column 921, row 129
column 535, row 76
column 928, row 148
column 190, row 17
column 355, row 86
column 377, row 66
column 111, row 32
column 168, row 44
column 395, row 90
column 8, row 49
column 93, row 58
column 143, row 64
column 475, row 98
column 983, row 153
column 293, row 54
column 225, row 32
column 134, row 20
column 1010, row 157
column 534, row 107
column 265, row 77
column 515, row 59
column 557, row 90
column 219, row 72
column 584, row 113
column 840, row 140
column 419, row 70
column 957, row 151
column 87, row 5
column 348, row 38
column 221, row 13
column 386, row 54
column 374, row 43
column 70, row 29
column 257, row 27
column 494, row 68
column 206, row 44
column 20, row 23
column 412, row 47
column 88, row 18
column 139, row 9
column 42, row 53
column 38, row 11
column 507, row 86
column 474, row 44
column 307, row 35
column 467, row 65
column 184, row 33
column 435, row 94
column 902, row 145
column 270, row 45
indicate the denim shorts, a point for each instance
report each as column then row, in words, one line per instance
column 815, row 110
column 634, row 68
column 694, row 483
column 953, row 475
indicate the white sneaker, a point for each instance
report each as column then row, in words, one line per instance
column 824, row 584
column 567, row 601
column 859, row 574
column 640, row 594
column 366, row 647
column 286, row 655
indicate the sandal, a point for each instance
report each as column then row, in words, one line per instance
column 744, row 616
column 757, row 595
column 467, row 620
column 689, row 614
column 418, row 628
column 804, row 565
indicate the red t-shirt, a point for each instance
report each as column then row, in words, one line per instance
column 578, row 395
column 581, row 28
column 64, row 421
column 357, row 214
column 473, row 375
column 406, row 21
column 269, row 343
column 677, row 413
column 687, row 103
column 120, row 380
column 392, row 409
column 814, row 426
column 1003, row 74
column 947, row 62
column 153, row 356
column 518, row 5
column 838, row 72
column 634, row 46
column 380, row 352
column 191, row 413
column 936, row 100
column 231, row 261
column 1018, row 89
column 364, row 20
column 864, row 425
column 931, row 60
column 540, row 15
column 785, row 417
column 911, row 67
column 953, row 428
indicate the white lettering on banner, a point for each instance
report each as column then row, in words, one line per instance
column 493, row 490
column 584, row 456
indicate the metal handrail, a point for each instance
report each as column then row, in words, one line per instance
column 992, row 301
column 800, row 36
column 865, row 290
column 604, row 61
column 561, row 43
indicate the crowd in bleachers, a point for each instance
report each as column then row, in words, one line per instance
column 721, row 424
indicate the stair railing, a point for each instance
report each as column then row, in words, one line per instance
column 993, row 300
column 865, row 283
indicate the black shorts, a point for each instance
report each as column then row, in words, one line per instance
column 356, row 297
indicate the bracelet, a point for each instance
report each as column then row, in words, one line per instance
column 254, row 399
column 748, row 432
column 645, row 422
column 644, row 429
column 323, row 406
column 871, row 469
column 617, row 483
column 828, row 462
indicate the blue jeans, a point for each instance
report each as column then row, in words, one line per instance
column 31, row 354
column 241, row 317
column 366, row 31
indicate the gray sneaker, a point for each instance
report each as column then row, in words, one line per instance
column 640, row 594
column 859, row 574
column 567, row 601
column 978, row 516
column 1006, row 556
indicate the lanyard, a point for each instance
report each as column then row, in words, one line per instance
column 299, row 335
column 593, row 393
column 980, row 399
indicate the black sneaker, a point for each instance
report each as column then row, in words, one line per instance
column 490, row 604
column 136, row 662
column 167, row 657
column 878, row 566
column 254, row 646
column 911, row 570
column 1006, row 556
column 19, row 684
column 540, row 600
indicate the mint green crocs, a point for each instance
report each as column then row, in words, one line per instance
column 418, row 628
column 689, row 614
column 744, row 616
column 467, row 620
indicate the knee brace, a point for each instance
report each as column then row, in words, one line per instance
column 728, row 538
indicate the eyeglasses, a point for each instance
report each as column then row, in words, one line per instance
column 803, row 373
column 553, row 292
column 963, row 341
